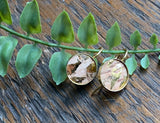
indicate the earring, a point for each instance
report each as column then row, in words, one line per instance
column 81, row 68
column 113, row 74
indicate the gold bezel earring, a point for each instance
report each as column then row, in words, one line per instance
column 82, row 68
column 113, row 74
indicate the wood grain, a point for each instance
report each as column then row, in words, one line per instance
column 36, row 98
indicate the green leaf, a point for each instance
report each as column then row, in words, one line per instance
column 131, row 64
column 154, row 40
column 27, row 57
column 145, row 62
column 113, row 37
column 87, row 32
column 108, row 58
column 30, row 18
column 159, row 57
column 62, row 29
column 7, row 46
column 135, row 39
column 57, row 66
column 5, row 14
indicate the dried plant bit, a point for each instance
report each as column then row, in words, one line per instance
column 114, row 75
column 81, row 69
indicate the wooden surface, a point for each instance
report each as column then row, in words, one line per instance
column 36, row 98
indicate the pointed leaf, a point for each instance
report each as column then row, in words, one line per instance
column 154, row 40
column 131, row 64
column 57, row 66
column 5, row 14
column 113, row 37
column 30, row 18
column 62, row 29
column 145, row 62
column 7, row 46
column 135, row 39
column 87, row 32
column 27, row 57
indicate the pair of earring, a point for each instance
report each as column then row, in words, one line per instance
column 113, row 74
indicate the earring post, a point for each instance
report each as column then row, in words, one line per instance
column 101, row 49
column 126, row 53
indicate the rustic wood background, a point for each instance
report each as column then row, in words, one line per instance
column 36, row 98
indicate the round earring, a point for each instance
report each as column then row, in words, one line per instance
column 113, row 74
column 81, row 68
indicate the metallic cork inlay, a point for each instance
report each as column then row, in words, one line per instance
column 81, row 69
column 114, row 75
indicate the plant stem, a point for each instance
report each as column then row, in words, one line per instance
column 75, row 48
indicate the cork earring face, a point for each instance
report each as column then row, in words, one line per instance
column 113, row 75
column 81, row 69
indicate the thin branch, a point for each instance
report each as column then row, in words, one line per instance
column 75, row 48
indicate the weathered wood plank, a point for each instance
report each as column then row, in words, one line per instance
column 36, row 98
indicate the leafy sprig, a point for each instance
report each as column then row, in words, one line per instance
column 30, row 18
column 5, row 14
column 87, row 32
column 113, row 37
column 62, row 31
